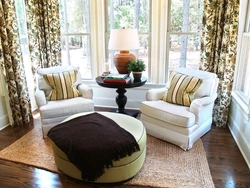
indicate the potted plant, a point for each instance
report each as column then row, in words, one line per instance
column 136, row 67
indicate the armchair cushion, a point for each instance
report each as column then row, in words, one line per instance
column 168, row 113
column 62, row 85
column 182, row 88
column 155, row 94
column 65, row 108
column 209, row 81
column 43, row 85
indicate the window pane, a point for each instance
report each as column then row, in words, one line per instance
column 245, row 68
column 143, row 52
column 246, row 85
column 22, row 28
column 128, row 14
column 75, row 35
column 74, row 16
column 184, row 54
column 131, row 14
column 186, row 17
column 248, row 20
column 112, row 65
column 75, row 49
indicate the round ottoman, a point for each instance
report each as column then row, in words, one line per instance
column 123, row 169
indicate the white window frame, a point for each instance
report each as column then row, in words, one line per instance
column 238, row 95
column 244, row 58
column 158, row 35
column 161, row 16
column 169, row 33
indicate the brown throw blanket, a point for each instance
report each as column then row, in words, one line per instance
column 91, row 142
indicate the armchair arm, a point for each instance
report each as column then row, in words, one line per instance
column 202, row 108
column 197, row 103
column 40, row 98
column 155, row 94
column 85, row 91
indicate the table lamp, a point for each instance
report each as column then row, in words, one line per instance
column 123, row 40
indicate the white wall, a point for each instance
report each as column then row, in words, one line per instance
column 4, row 121
column 240, row 127
column 105, row 97
column 239, row 123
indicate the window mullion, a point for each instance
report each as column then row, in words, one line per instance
column 66, row 31
column 185, row 33
column 76, row 34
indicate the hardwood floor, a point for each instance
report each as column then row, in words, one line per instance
column 227, row 166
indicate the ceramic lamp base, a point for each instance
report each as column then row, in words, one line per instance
column 121, row 61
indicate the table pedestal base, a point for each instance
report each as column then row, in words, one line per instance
column 127, row 112
column 121, row 100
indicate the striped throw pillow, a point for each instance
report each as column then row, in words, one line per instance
column 62, row 85
column 182, row 89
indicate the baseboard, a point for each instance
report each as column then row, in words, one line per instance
column 110, row 103
column 1, row 128
column 114, row 107
column 4, row 122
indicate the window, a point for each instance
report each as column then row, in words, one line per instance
column 242, row 80
column 130, row 14
column 75, row 35
column 22, row 28
column 184, row 33
column 169, row 33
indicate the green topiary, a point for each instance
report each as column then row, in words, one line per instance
column 136, row 66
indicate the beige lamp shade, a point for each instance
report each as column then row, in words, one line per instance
column 123, row 40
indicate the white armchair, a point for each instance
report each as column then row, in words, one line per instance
column 178, row 124
column 53, row 112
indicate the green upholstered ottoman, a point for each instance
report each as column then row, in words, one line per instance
column 123, row 169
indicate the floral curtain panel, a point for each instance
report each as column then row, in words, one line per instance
column 218, row 50
column 12, row 65
column 43, row 24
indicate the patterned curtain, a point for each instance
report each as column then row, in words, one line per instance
column 44, row 33
column 12, row 64
column 218, row 50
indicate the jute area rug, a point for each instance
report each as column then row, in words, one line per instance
column 166, row 165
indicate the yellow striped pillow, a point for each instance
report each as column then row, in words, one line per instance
column 62, row 85
column 182, row 88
